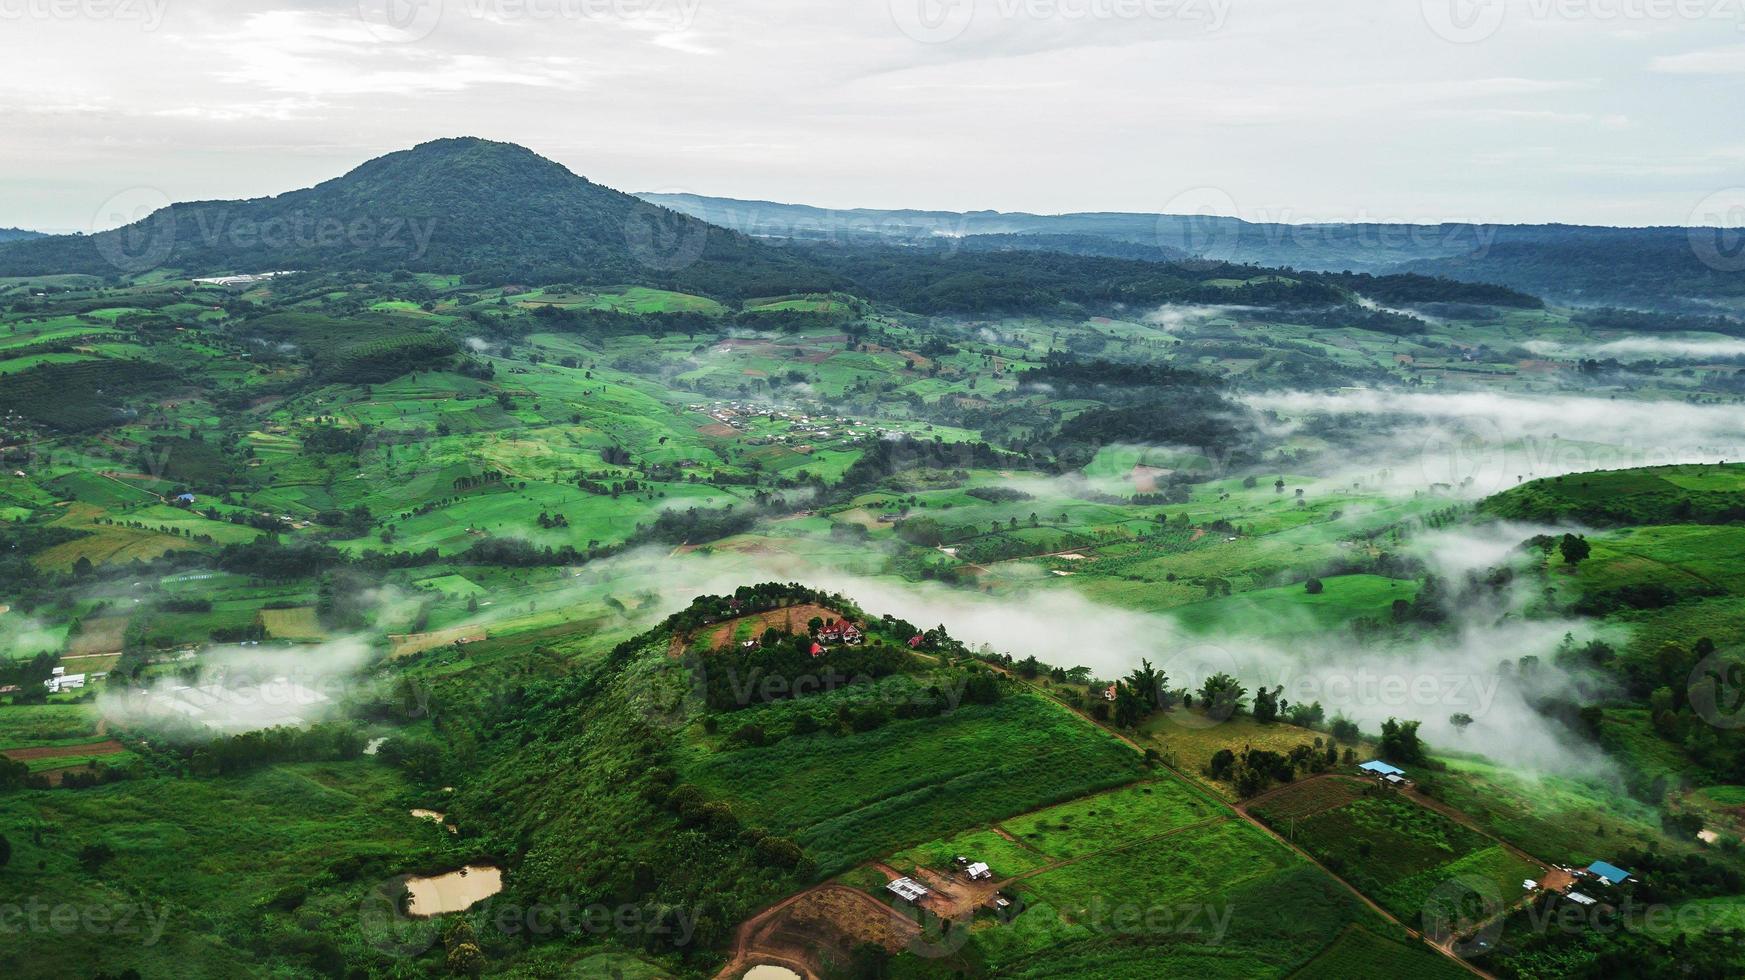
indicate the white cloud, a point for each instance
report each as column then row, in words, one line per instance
column 1713, row 61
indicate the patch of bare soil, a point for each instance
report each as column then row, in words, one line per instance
column 792, row 618
column 821, row 924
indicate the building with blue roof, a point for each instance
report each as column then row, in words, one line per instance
column 1376, row 767
column 1610, row 872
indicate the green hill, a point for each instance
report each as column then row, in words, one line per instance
column 1688, row 494
column 495, row 211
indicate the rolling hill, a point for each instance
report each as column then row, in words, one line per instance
column 495, row 211
column 1646, row 267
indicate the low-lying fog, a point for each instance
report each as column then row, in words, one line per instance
column 1645, row 348
column 1484, row 442
column 1429, row 678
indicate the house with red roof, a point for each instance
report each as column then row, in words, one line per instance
column 841, row 631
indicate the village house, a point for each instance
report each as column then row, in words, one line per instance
column 841, row 631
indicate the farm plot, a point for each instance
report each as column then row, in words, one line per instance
column 1359, row 954
column 1098, row 823
column 1166, row 870
column 914, row 780
column 299, row 623
column 1401, row 854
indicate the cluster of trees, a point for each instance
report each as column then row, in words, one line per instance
column 781, row 666
column 1253, row 770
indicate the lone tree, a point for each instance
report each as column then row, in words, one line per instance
column 1460, row 720
column 1575, row 550
column 1313, row 586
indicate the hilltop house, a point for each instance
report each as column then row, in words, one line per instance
column 841, row 631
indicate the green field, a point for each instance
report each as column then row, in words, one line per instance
column 912, row 780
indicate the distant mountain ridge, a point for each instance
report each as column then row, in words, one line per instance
column 18, row 234
column 1583, row 264
column 494, row 211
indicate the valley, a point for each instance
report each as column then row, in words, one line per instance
column 694, row 607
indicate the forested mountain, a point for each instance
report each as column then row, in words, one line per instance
column 1662, row 267
column 495, row 211
column 17, row 234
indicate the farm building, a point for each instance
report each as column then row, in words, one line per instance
column 979, row 871
column 1580, row 899
column 907, row 889
column 817, row 650
column 1109, row 693
column 1376, row 767
column 1611, row 874
column 64, row 681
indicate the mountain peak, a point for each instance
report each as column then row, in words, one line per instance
column 493, row 211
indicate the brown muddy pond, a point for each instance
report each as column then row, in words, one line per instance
column 455, row 891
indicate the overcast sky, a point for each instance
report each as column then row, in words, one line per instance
column 1606, row 112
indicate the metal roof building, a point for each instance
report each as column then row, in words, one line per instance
column 907, row 889
column 1380, row 768
column 1610, row 872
